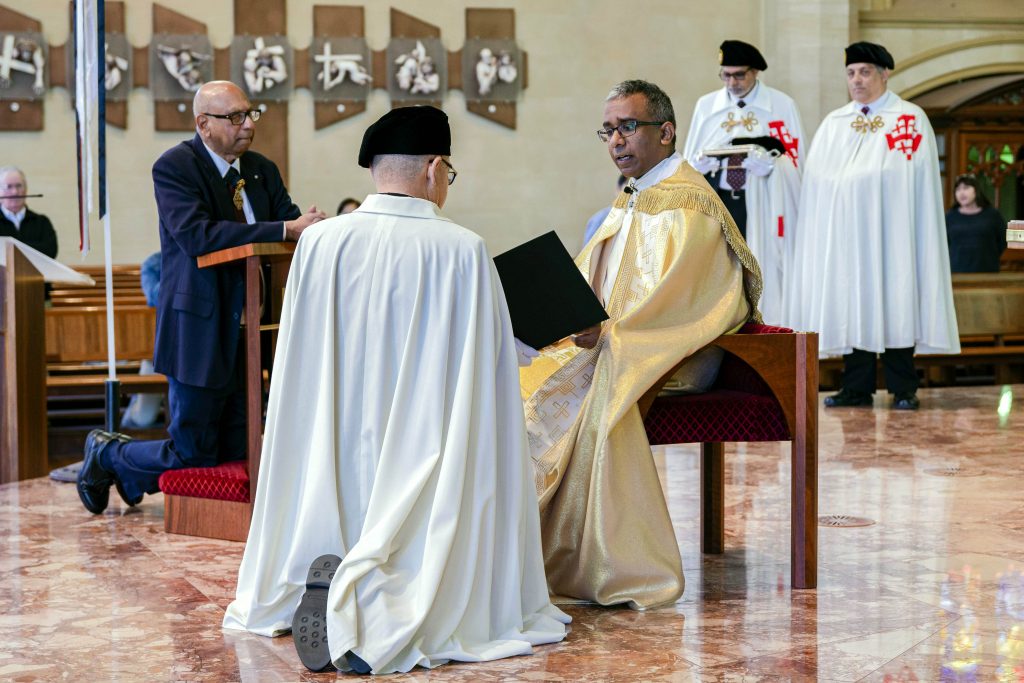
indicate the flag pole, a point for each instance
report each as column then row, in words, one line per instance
column 112, row 393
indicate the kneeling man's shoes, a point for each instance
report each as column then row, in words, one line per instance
column 124, row 438
column 309, row 625
column 93, row 481
column 848, row 398
column 905, row 400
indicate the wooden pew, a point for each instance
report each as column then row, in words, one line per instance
column 991, row 322
column 76, row 351
column 75, row 334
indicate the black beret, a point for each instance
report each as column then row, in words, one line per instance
column 407, row 130
column 869, row 53
column 738, row 53
column 768, row 142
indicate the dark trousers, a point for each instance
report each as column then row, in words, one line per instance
column 859, row 371
column 736, row 206
column 207, row 428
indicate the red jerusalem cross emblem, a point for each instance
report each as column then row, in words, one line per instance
column 904, row 136
column 778, row 130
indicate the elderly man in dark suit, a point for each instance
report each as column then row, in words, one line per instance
column 19, row 221
column 211, row 193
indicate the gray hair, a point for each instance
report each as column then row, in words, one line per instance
column 398, row 167
column 4, row 170
column 659, row 106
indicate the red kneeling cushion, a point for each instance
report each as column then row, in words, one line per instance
column 228, row 481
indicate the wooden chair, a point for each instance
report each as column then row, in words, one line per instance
column 766, row 390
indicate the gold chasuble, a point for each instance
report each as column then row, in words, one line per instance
column 686, row 277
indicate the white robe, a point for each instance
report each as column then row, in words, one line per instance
column 772, row 203
column 871, row 262
column 771, row 200
column 395, row 439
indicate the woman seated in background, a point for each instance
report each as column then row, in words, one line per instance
column 975, row 231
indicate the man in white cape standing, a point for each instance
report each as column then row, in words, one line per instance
column 761, row 190
column 871, row 260
column 395, row 452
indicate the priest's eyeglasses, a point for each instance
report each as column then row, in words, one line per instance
column 626, row 128
column 237, row 118
column 733, row 75
column 452, row 173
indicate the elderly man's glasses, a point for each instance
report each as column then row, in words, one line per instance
column 237, row 118
column 733, row 75
column 626, row 128
column 452, row 173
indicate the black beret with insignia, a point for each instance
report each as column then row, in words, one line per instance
column 869, row 53
column 407, row 130
column 738, row 53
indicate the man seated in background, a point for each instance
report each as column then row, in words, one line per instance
column 19, row 221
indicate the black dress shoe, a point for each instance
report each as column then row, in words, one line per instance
column 309, row 625
column 131, row 502
column 847, row 398
column 905, row 400
column 93, row 481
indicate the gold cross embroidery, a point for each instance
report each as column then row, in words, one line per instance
column 863, row 125
column 237, row 199
column 749, row 122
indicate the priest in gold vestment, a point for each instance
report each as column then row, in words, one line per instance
column 673, row 273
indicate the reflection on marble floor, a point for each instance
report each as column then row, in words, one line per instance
column 934, row 591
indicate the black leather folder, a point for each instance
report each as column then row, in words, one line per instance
column 548, row 298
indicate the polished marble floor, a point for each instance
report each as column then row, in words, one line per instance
column 932, row 591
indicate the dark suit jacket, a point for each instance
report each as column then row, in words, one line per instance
column 199, row 310
column 36, row 231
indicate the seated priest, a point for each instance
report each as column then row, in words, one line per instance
column 673, row 273
column 395, row 522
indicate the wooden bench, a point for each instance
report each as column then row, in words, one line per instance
column 990, row 317
column 76, row 355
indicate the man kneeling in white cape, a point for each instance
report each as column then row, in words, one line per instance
column 395, row 521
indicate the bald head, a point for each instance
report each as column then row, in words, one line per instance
column 212, row 93
column 213, row 102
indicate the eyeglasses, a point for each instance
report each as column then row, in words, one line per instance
column 237, row 118
column 626, row 128
column 452, row 173
column 733, row 75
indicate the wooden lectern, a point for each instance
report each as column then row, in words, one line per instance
column 206, row 501
column 22, row 370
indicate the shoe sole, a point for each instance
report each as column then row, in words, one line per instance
column 309, row 625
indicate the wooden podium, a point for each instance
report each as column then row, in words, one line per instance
column 22, row 370
column 253, row 257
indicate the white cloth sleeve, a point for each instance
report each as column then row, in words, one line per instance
column 525, row 354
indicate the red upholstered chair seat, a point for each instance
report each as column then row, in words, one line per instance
column 721, row 415
column 738, row 407
column 228, row 481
